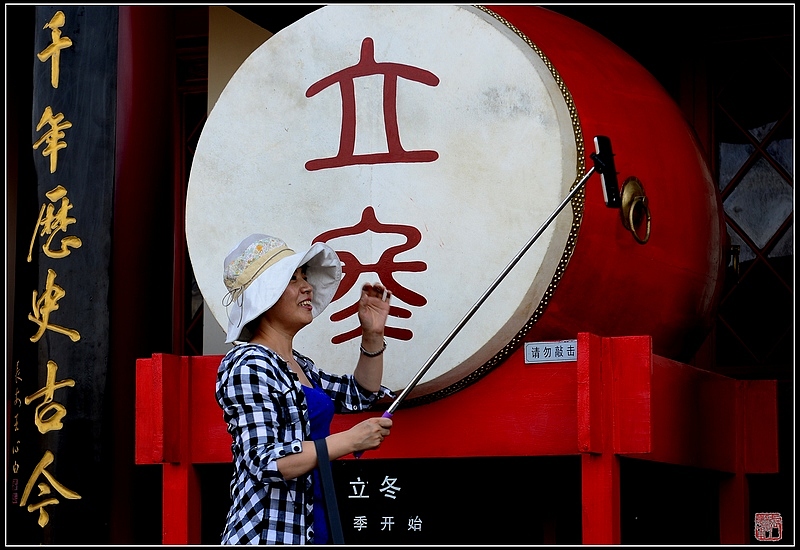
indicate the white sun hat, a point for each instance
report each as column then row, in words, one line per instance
column 259, row 269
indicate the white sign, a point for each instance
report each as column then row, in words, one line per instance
column 559, row 351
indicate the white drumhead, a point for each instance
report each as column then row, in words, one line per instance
column 483, row 153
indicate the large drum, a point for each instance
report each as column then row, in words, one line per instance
column 427, row 144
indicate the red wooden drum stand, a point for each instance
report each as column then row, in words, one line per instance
column 618, row 400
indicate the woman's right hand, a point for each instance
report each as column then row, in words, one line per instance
column 369, row 434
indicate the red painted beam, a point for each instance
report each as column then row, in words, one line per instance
column 149, row 412
column 693, row 418
column 516, row 410
column 590, row 394
column 665, row 411
column 760, row 422
column 211, row 443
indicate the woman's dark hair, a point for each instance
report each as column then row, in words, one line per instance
column 249, row 329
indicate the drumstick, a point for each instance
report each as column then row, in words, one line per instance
column 604, row 165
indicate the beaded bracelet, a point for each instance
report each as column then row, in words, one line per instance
column 373, row 353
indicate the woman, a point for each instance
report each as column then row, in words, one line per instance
column 277, row 402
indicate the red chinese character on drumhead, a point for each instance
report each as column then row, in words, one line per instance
column 385, row 268
column 367, row 66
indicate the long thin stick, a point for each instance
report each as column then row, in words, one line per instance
column 438, row 351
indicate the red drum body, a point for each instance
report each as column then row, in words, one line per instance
column 427, row 144
column 669, row 286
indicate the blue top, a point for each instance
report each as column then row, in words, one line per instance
column 320, row 412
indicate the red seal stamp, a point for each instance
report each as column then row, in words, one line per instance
column 768, row 527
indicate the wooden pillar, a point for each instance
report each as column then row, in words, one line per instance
column 600, row 492
column 734, row 517
column 181, row 513
column 600, row 487
column 164, row 436
column 756, row 450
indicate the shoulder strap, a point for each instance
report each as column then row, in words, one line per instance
column 330, row 494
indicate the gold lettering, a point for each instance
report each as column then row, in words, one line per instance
column 44, row 489
column 45, row 305
column 56, row 410
column 53, row 50
column 51, row 222
column 52, row 136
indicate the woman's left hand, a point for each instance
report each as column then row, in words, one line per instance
column 373, row 309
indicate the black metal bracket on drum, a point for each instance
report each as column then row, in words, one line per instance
column 603, row 164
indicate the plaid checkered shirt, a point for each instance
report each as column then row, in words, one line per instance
column 267, row 416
